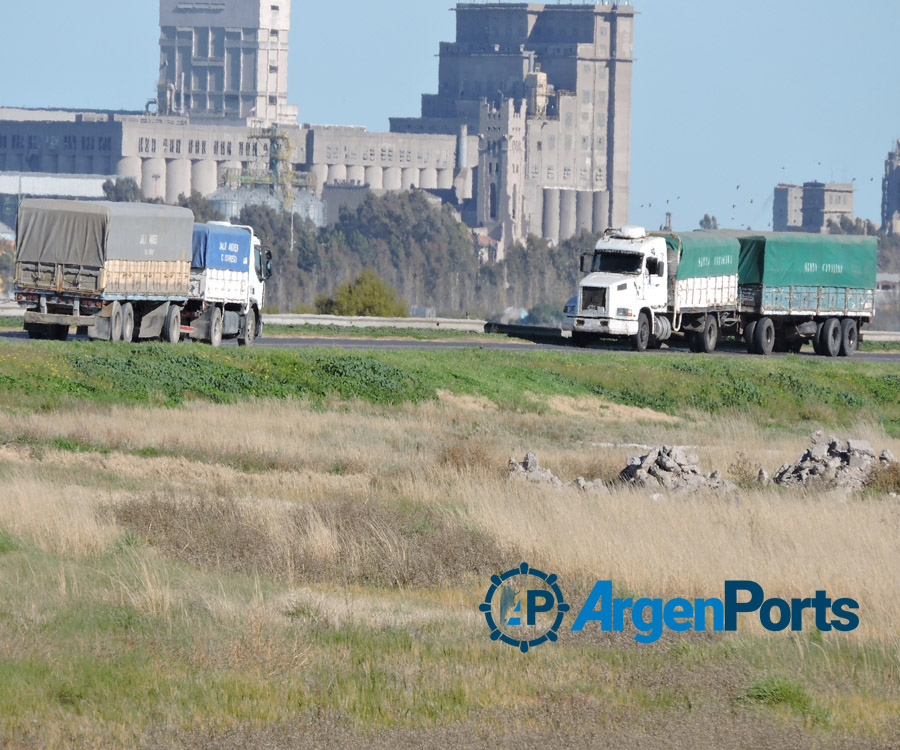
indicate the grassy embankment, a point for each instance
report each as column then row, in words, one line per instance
column 291, row 546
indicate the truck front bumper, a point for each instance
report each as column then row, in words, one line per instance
column 606, row 326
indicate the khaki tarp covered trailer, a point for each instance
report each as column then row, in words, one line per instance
column 96, row 247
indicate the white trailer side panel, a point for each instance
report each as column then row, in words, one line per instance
column 706, row 292
column 227, row 287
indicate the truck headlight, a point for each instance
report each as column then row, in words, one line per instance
column 624, row 312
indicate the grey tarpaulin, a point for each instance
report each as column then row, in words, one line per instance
column 90, row 233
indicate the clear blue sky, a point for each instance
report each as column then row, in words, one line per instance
column 725, row 93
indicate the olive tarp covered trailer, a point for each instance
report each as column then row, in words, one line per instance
column 113, row 249
column 117, row 270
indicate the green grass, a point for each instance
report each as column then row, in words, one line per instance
column 783, row 392
column 333, row 331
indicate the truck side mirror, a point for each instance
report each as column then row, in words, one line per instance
column 268, row 264
column 661, row 271
column 587, row 261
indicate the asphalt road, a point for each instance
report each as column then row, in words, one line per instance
column 500, row 344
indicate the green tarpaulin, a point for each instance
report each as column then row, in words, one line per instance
column 705, row 254
column 796, row 259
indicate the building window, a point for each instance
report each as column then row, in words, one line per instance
column 229, row 148
column 551, row 174
column 33, row 142
column 567, row 173
column 275, row 9
column 273, row 68
column 2, row 141
column 178, row 146
column 241, row 148
column 190, row 147
column 203, row 148
column 18, row 142
column 273, row 34
column 273, row 100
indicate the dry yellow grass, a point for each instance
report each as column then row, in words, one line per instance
column 319, row 504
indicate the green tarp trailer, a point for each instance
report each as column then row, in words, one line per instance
column 703, row 271
column 786, row 273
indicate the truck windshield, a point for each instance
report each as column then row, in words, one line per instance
column 606, row 262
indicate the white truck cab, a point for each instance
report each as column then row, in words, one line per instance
column 625, row 286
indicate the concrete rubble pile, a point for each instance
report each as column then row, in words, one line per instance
column 530, row 471
column 670, row 468
column 834, row 463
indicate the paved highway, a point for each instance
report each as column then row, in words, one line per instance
column 499, row 344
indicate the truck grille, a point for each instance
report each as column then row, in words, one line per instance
column 593, row 298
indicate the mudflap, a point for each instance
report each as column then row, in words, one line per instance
column 101, row 330
column 153, row 322
column 232, row 324
column 201, row 325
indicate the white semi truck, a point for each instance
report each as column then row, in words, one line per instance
column 777, row 290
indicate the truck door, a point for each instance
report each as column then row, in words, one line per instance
column 655, row 282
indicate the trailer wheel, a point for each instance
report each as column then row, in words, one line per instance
column 172, row 328
column 251, row 329
column 849, row 337
column 830, row 338
column 59, row 332
column 709, row 336
column 38, row 331
column 817, row 340
column 127, row 322
column 750, row 337
column 215, row 328
column 764, row 336
column 116, row 320
column 641, row 339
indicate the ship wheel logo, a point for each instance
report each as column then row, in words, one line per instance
column 524, row 608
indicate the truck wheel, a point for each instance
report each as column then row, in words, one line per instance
column 817, row 339
column 59, row 332
column 764, row 337
column 709, row 336
column 251, row 329
column 642, row 337
column 581, row 339
column 127, row 322
column 830, row 338
column 115, row 322
column 172, row 328
column 215, row 328
column 38, row 331
column 849, row 337
column 750, row 337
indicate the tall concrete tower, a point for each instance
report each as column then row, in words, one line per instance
column 225, row 60
column 890, row 200
column 571, row 65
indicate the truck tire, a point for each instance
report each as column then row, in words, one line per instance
column 172, row 328
column 581, row 339
column 817, row 339
column 38, row 331
column 849, row 337
column 764, row 336
column 127, row 322
column 250, row 335
column 750, row 337
column 830, row 338
column 641, row 339
column 116, row 320
column 215, row 328
column 59, row 332
column 709, row 336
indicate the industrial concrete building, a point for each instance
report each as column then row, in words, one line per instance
column 811, row 207
column 548, row 90
column 890, row 196
column 528, row 133
column 225, row 60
